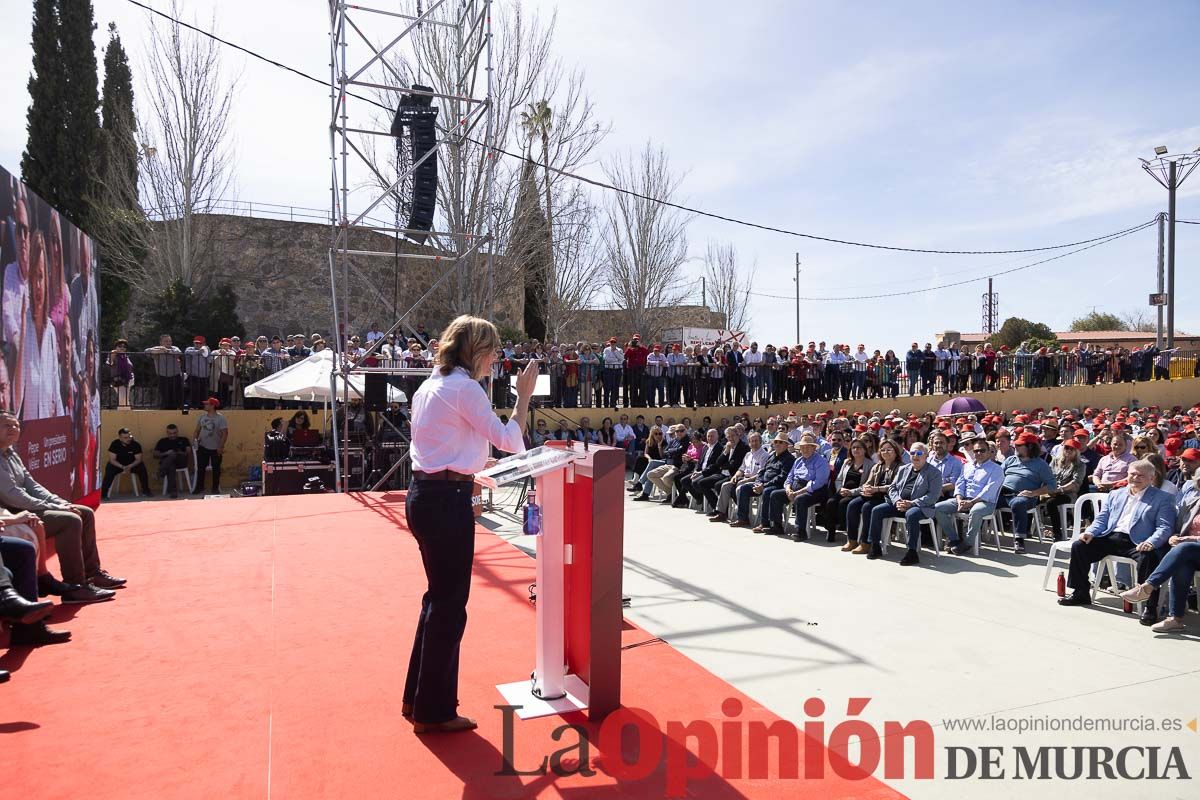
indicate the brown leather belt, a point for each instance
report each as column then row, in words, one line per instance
column 442, row 475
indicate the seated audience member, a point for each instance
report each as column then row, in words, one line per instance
column 1027, row 479
column 651, row 457
column 804, row 486
column 845, row 486
column 755, row 458
column 275, row 443
column 1070, row 471
column 872, row 492
column 1178, row 566
column 19, row 604
column 692, row 457
column 975, row 494
column 719, row 462
column 772, row 476
column 124, row 457
column 1135, row 523
column 1112, row 469
column 73, row 527
column 660, row 477
column 173, row 453
column 913, row 495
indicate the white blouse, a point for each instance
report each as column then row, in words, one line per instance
column 453, row 423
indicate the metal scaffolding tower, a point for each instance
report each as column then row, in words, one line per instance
column 367, row 80
column 991, row 310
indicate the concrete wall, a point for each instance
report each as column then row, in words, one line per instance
column 246, row 428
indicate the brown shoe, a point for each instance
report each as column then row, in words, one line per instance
column 850, row 545
column 450, row 726
column 737, row 523
column 718, row 518
column 862, row 549
column 760, row 528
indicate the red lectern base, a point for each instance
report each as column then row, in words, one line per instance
column 529, row 706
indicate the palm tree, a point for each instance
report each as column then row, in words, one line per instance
column 539, row 120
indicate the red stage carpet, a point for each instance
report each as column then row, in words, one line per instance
column 260, row 651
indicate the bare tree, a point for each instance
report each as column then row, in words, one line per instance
column 523, row 68
column 1138, row 320
column 645, row 242
column 578, row 272
column 188, row 164
column 728, row 286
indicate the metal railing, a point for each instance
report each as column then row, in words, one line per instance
column 576, row 385
column 250, row 208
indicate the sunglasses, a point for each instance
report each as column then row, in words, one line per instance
column 980, row 451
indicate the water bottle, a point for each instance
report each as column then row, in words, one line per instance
column 532, row 525
column 1062, row 584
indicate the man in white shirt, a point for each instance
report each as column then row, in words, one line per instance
column 613, row 359
column 624, row 435
column 656, row 377
column 752, row 464
column 752, row 361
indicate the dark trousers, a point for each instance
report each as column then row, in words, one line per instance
column 170, row 391
column 204, row 457
column 706, row 488
column 803, row 502
column 440, row 519
column 912, row 521
column 1084, row 554
column 74, row 536
column 858, row 509
column 20, row 557
column 111, row 473
column 176, row 459
column 834, row 511
column 198, row 390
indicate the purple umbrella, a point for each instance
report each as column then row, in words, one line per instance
column 961, row 405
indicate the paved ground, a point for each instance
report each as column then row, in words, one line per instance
column 951, row 638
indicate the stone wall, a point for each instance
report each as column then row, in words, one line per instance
column 280, row 272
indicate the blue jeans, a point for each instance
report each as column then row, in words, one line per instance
column 858, row 509
column 1179, row 567
column 770, row 512
column 744, row 493
column 912, row 521
column 946, row 511
column 1021, row 506
column 647, row 486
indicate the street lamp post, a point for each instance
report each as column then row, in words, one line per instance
column 1171, row 171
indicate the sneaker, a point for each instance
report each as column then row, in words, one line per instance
column 1169, row 625
column 102, row 580
column 88, row 594
column 961, row 549
column 1019, row 547
column 1138, row 594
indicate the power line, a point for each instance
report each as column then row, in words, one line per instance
column 629, row 192
column 1111, row 238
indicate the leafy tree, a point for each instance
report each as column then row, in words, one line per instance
column 79, row 147
column 118, row 219
column 1099, row 321
column 179, row 313
column 42, row 167
column 1016, row 330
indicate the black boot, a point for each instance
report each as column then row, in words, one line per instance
column 1150, row 609
column 17, row 609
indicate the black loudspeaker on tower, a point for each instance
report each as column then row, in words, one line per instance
column 416, row 113
column 375, row 392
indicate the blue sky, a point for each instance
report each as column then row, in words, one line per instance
column 957, row 126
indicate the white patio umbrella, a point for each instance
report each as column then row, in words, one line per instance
column 308, row 381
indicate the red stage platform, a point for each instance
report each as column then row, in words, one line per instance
column 260, row 652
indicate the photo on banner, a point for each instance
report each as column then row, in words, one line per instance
column 49, row 341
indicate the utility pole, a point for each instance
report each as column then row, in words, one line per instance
column 1166, row 170
column 1158, row 331
column 704, row 293
column 797, row 280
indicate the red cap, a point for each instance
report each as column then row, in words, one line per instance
column 199, row 339
column 215, row 402
column 1027, row 438
column 1071, row 443
column 657, row 347
column 1191, row 454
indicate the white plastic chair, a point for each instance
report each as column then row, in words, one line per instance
column 1063, row 548
column 1108, row 565
column 117, row 483
column 790, row 528
column 989, row 524
column 1036, row 526
column 891, row 523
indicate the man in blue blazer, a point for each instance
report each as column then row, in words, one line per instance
column 912, row 495
column 1135, row 522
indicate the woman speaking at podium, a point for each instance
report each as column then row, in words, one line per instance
column 452, row 425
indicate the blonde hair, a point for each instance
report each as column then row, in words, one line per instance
column 463, row 342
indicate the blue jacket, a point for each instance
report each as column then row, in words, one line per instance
column 927, row 490
column 1153, row 521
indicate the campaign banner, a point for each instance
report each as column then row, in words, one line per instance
column 701, row 337
column 49, row 329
